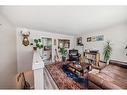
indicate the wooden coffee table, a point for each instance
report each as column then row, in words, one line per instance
column 78, row 69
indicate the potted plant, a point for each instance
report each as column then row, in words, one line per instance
column 107, row 52
column 63, row 52
column 37, row 44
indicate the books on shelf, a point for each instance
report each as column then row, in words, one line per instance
column 92, row 57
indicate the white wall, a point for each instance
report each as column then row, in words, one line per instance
column 24, row 54
column 118, row 37
column 7, row 54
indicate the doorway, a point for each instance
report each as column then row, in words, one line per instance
column 47, row 50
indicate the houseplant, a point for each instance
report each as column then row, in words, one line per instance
column 63, row 52
column 107, row 52
column 37, row 44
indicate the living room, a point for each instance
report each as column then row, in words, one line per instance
column 63, row 47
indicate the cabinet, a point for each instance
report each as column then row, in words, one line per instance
column 63, row 43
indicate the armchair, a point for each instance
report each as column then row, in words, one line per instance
column 74, row 55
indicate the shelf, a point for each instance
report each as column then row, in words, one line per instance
column 90, row 53
column 92, row 56
column 73, row 72
column 91, row 59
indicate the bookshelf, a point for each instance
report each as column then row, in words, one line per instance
column 92, row 57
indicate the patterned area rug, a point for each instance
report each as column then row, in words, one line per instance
column 60, row 78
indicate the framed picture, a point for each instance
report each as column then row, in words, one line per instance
column 89, row 39
column 93, row 39
column 100, row 38
column 79, row 41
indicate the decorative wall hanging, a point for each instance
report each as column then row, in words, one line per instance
column 79, row 41
column 25, row 40
column 95, row 38
column 100, row 38
column 89, row 39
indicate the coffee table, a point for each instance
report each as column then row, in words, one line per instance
column 78, row 69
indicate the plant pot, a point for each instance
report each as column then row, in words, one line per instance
column 63, row 58
column 107, row 63
column 35, row 48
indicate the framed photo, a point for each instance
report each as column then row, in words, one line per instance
column 79, row 41
column 93, row 39
column 89, row 39
column 100, row 38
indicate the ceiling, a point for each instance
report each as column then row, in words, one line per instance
column 70, row 20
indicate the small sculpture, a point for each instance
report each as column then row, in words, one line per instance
column 25, row 41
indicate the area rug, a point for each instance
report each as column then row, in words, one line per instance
column 60, row 78
column 83, row 81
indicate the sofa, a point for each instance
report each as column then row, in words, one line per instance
column 112, row 76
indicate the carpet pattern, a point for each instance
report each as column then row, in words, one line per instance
column 60, row 78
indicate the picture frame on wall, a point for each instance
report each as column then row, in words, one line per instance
column 79, row 41
column 93, row 39
column 100, row 38
column 89, row 39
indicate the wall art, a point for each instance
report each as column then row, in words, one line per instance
column 89, row 39
column 79, row 41
column 95, row 38
column 100, row 38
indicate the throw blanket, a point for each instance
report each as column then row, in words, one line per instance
column 60, row 78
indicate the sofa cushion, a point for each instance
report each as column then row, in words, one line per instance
column 95, row 79
column 101, row 82
column 112, row 76
column 109, row 85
